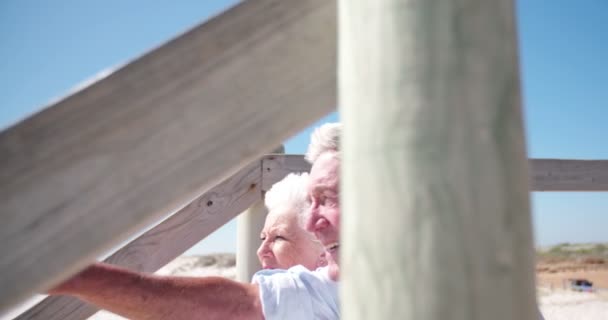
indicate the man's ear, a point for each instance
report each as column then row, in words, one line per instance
column 321, row 260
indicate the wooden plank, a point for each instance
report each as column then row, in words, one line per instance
column 163, row 243
column 434, row 191
column 276, row 166
column 546, row 174
column 569, row 175
column 79, row 177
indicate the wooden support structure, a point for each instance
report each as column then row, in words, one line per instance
column 163, row 243
column 434, row 166
column 435, row 210
column 248, row 227
column 249, row 224
column 545, row 175
column 79, row 177
column 569, row 175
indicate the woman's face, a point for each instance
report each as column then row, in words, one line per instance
column 286, row 244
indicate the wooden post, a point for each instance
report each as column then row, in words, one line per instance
column 249, row 224
column 436, row 221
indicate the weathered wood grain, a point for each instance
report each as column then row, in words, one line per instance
column 435, row 203
column 163, row 243
column 82, row 175
column 546, row 174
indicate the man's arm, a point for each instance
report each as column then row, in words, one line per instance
column 146, row 296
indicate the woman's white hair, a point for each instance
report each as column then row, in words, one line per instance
column 290, row 192
column 324, row 138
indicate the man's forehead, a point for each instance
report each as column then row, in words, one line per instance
column 326, row 164
column 324, row 172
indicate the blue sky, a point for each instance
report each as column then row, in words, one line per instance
column 48, row 47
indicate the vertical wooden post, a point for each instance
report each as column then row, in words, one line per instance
column 249, row 224
column 436, row 221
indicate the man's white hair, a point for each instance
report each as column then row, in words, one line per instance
column 290, row 192
column 324, row 138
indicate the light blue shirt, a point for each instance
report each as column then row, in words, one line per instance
column 298, row 294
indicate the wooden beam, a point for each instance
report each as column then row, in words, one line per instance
column 434, row 191
column 276, row 166
column 163, row 243
column 546, row 174
column 81, row 176
column 569, row 175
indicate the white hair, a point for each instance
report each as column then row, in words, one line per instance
column 290, row 192
column 324, row 138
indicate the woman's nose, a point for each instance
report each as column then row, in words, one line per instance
column 263, row 249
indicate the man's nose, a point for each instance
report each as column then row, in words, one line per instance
column 311, row 220
column 320, row 224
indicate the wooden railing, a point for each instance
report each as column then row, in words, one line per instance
column 161, row 244
column 545, row 174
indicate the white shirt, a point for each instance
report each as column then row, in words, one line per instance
column 298, row 294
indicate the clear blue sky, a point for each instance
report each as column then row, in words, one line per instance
column 48, row 47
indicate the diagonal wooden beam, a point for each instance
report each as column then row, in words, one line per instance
column 79, row 177
column 545, row 174
column 163, row 243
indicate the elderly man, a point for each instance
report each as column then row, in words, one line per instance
column 296, row 293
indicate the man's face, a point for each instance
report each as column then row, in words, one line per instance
column 324, row 217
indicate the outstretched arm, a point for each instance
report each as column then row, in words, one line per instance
column 146, row 296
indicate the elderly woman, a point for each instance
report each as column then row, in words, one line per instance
column 285, row 243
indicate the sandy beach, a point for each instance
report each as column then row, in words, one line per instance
column 568, row 305
column 556, row 265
